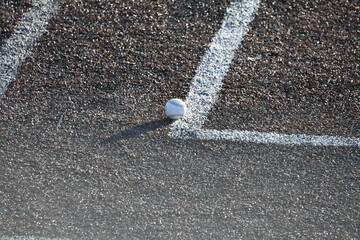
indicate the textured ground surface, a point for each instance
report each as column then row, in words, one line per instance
column 297, row 72
column 10, row 13
column 110, row 171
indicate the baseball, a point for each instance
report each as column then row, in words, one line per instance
column 175, row 108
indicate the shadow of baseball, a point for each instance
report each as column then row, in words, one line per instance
column 138, row 130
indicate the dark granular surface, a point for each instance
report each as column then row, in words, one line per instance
column 10, row 13
column 85, row 151
column 297, row 71
column 113, row 57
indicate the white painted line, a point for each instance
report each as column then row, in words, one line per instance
column 262, row 137
column 29, row 238
column 208, row 82
column 213, row 68
column 20, row 44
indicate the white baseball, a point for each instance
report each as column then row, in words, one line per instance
column 175, row 108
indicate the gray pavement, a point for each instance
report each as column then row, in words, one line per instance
column 109, row 170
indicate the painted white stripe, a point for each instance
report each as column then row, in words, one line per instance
column 29, row 238
column 261, row 137
column 208, row 82
column 20, row 44
column 210, row 73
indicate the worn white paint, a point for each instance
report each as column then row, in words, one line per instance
column 208, row 81
column 30, row 28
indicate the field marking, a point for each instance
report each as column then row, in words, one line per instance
column 263, row 137
column 21, row 43
column 208, row 81
column 216, row 62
